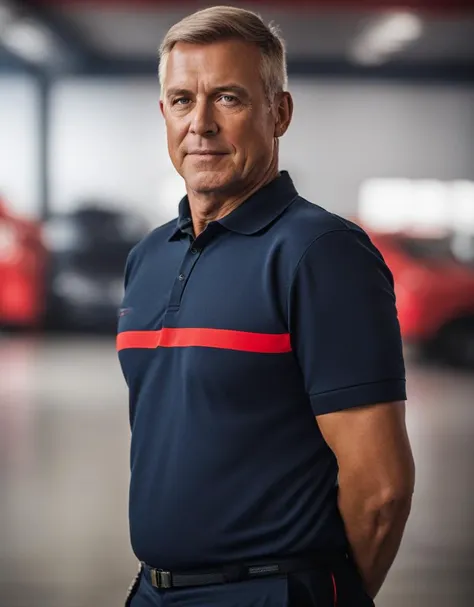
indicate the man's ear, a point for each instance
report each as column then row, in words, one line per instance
column 283, row 114
column 162, row 107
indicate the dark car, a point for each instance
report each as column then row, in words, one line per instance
column 88, row 250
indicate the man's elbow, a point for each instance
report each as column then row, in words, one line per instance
column 394, row 498
column 393, row 502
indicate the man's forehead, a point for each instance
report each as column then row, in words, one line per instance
column 235, row 58
column 217, row 47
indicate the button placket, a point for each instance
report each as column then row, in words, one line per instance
column 193, row 253
column 189, row 261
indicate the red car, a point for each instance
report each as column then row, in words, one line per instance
column 435, row 292
column 22, row 265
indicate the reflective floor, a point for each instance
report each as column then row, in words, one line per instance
column 64, row 476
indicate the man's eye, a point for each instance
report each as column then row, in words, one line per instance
column 181, row 101
column 229, row 99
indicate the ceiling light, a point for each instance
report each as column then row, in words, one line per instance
column 31, row 41
column 385, row 36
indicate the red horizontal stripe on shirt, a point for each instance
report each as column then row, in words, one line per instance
column 264, row 343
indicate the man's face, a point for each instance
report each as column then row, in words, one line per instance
column 219, row 123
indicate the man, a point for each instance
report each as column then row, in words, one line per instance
column 270, row 463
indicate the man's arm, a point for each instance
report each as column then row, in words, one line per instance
column 376, row 483
column 346, row 338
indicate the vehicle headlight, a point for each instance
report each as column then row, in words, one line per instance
column 9, row 242
column 60, row 236
column 73, row 284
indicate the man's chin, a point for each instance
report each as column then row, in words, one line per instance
column 209, row 183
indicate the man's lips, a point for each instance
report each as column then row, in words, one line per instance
column 206, row 153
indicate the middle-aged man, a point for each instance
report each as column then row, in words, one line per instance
column 270, row 464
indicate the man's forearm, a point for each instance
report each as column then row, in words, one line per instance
column 375, row 534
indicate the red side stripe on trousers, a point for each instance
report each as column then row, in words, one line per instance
column 264, row 343
column 334, row 586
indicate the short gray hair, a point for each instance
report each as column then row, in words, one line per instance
column 230, row 23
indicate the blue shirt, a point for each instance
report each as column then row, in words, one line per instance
column 231, row 344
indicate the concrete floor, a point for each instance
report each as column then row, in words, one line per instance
column 64, row 481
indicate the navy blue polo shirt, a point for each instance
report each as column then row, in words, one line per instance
column 231, row 344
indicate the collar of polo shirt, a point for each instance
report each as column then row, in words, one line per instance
column 253, row 215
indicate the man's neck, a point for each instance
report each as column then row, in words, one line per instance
column 212, row 207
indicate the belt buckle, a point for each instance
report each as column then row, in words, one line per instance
column 160, row 579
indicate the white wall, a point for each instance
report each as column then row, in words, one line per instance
column 108, row 141
column 344, row 133
column 19, row 176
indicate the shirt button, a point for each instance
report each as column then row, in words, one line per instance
column 194, row 251
column 181, row 277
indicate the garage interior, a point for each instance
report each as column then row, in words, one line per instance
column 383, row 133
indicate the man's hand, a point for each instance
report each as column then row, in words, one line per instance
column 376, row 482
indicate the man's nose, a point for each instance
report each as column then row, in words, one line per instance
column 203, row 120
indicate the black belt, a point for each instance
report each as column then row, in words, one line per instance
column 237, row 572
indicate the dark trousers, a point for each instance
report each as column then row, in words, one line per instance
column 340, row 587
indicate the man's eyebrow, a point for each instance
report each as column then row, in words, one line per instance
column 176, row 91
column 232, row 88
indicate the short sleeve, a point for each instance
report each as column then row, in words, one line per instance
column 344, row 326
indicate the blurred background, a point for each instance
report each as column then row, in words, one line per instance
column 383, row 133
